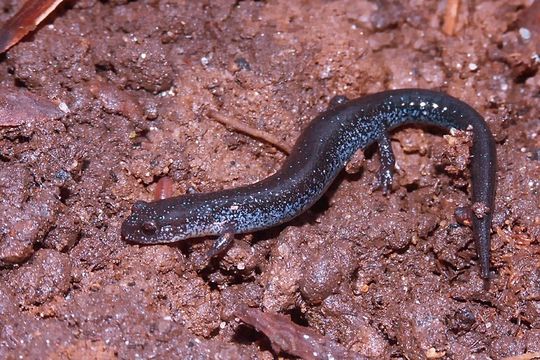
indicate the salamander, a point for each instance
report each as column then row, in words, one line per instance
column 320, row 153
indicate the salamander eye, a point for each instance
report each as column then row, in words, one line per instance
column 149, row 227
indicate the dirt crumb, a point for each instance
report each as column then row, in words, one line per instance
column 48, row 274
column 29, row 212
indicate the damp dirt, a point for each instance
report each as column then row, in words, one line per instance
column 106, row 98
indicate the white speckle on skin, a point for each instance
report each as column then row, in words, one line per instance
column 422, row 104
column 435, row 105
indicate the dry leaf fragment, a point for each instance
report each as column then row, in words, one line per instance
column 22, row 108
column 29, row 16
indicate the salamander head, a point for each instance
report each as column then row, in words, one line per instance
column 141, row 226
column 146, row 226
column 163, row 222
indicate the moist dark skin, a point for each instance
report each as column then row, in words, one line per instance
column 320, row 153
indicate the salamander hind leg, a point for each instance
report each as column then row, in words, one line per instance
column 388, row 162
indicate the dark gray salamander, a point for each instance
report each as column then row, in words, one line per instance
column 320, row 153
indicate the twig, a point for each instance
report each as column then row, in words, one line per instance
column 255, row 133
column 164, row 188
column 450, row 17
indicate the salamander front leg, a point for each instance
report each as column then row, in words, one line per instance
column 388, row 162
column 220, row 244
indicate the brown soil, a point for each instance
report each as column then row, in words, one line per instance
column 384, row 276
